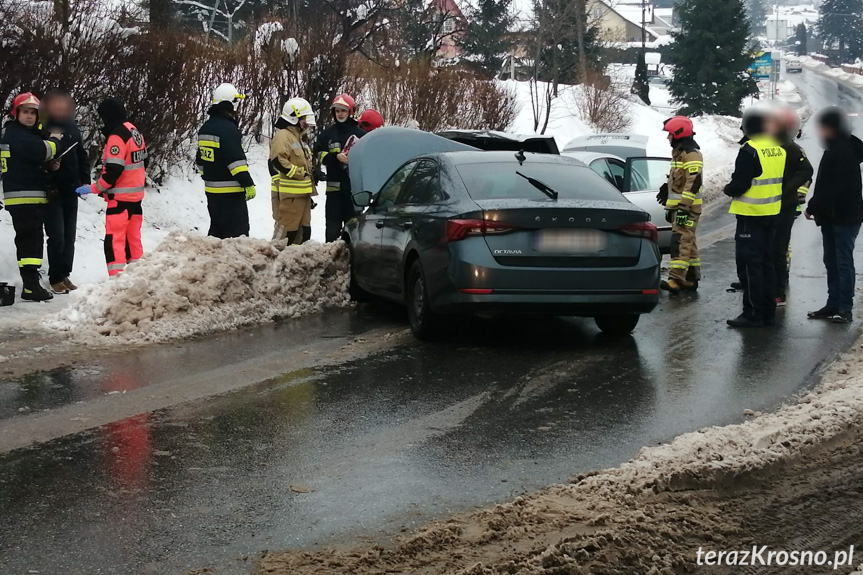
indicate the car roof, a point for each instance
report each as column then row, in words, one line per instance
column 468, row 157
column 622, row 145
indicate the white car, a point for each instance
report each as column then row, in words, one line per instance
column 793, row 65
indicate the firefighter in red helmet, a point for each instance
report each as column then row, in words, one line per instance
column 331, row 149
column 681, row 197
column 371, row 120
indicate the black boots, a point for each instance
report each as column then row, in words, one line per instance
column 33, row 290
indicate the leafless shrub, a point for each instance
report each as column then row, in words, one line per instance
column 602, row 104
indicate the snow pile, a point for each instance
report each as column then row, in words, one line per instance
column 836, row 73
column 194, row 285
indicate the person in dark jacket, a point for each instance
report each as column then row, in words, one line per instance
column 795, row 186
column 24, row 154
column 756, row 199
column 331, row 147
column 837, row 207
column 223, row 166
column 67, row 173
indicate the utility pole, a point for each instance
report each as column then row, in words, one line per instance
column 643, row 26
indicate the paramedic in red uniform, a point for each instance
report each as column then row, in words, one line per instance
column 121, row 184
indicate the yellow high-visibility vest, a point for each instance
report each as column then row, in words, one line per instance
column 764, row 197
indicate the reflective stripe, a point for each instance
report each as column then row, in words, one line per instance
column 50, row 149
column 135, row 166
column 758, row 201
column 678, row 264
column 208, row 143
column 123, row 191
column 334, row 186
column 115, row 161
column 766, row 182
column 293, row 186
column 115, row 267
column 208, row 138
column 102, row 187
column 26, row 201
column 29, row 262
column 224, row 187
column 238, row 169
column 803, row 190
column 25, row 194
column 695, row 262
column 237, row 164
column 292, row 172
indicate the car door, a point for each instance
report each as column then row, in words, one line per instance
column 402, row 221
column 367, row 244
column 600, row 166
column 642, row 180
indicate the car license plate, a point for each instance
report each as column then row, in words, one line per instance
column 570, row 241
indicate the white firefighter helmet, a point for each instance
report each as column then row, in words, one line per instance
column 297, row 108
column 227, row 93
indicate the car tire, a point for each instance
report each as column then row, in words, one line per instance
column 617, row 325
column 424, row 322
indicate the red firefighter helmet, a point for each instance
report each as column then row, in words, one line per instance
column 371, row 120
column 345, row 102
column 679, row 127
column 22, row 101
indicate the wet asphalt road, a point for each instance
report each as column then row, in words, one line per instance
column 503, row 407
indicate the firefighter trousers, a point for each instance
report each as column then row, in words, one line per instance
column 28, row 221
column 122, row 234
column 685, row 264
column 339, row 209
column 229, row 215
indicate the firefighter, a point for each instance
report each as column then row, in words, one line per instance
column 223, row 166
column 682, row 199
column 291, row 172
column 756, row 199
column 330, row 149
column 370, row 120
column 121, row 184
column 795, row 187
column 24, row 154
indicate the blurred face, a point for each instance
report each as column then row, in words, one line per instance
column 341, row 114
column 28, row 116
column 59, row 108
column 773, row 125
column 825, row 133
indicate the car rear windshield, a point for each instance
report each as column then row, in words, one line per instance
column 500, row 181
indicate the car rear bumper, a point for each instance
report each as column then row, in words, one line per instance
column 586, row 304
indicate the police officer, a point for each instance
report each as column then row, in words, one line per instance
column 24, row 154
column 223, row 166
column 124, row 163
column 682, row 199
column 330, row 148
column 756, row 199
column 795, row 187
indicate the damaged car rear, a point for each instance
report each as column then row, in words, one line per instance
column 455, row 230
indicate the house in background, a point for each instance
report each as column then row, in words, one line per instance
column 452, row 28
column 620, row 20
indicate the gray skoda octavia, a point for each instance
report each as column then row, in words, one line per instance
column 447, row 229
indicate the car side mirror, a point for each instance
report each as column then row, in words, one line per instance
column 363, row 199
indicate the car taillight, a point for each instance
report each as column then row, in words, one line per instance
column 645, row 230
column 460, row 229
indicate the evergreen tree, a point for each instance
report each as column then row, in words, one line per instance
column 486, row 40
column 561, row 26
column 757, row 13
column 801, row 38
column 711, row 56
column 840, row 25
column 641, row 86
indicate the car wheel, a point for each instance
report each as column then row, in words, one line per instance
column 424, row 322
column 357, row 293
column 617, row 324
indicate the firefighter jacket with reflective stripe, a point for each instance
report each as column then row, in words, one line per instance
column 329, row 145
column 290, row 162
column 685, row 178
column 123, row 165
column 764, row 196
column 23, row 154
column 220, row 156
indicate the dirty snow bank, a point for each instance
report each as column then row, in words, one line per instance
column 194, row 285
column 650, row 515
